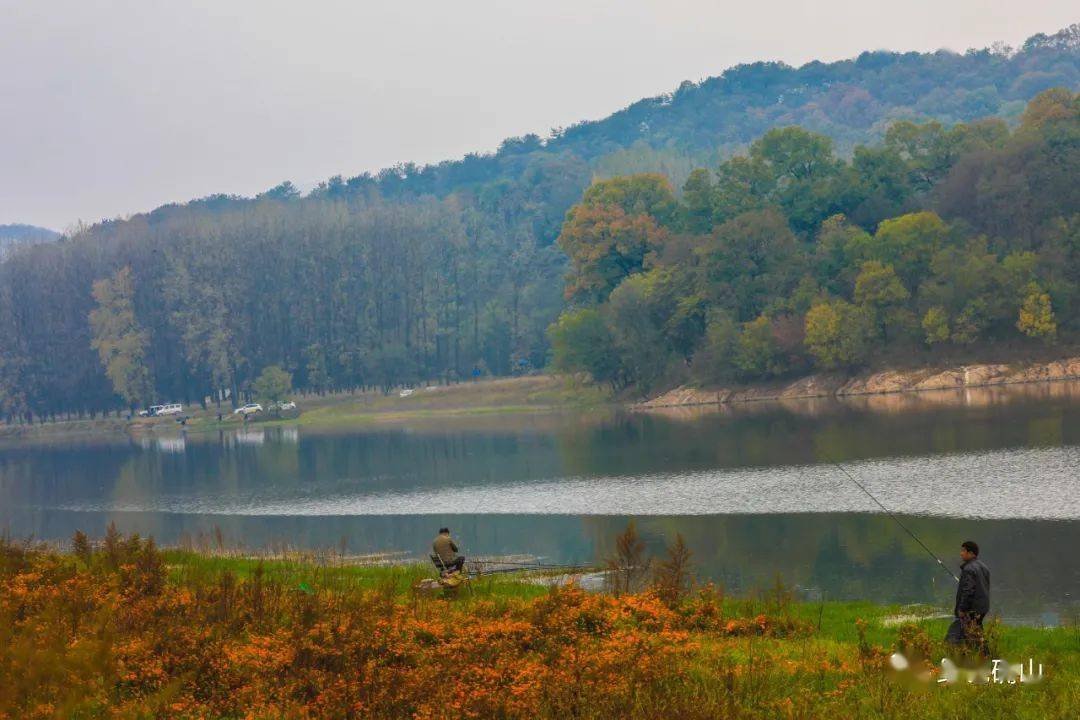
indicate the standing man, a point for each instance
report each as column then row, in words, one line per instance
column 447, row 550
column 972, row 599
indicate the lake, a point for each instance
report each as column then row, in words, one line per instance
column 754, row 489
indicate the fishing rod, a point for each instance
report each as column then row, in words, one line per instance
column 889, row 513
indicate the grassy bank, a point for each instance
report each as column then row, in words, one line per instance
column 504, row 396
column 536, row 393
column 124, row 630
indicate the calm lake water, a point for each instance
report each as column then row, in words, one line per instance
column 753, row 489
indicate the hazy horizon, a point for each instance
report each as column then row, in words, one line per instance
column 114, row 111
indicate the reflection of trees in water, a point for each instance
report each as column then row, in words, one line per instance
column 794, row 433
column 854, row 555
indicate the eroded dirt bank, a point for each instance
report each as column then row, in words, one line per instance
column 874, row 383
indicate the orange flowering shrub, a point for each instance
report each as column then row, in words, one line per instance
column 104, row 633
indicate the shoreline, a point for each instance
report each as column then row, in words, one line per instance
column 882, row 382
column 545, row 394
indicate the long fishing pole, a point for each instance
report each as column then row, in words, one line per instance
column 889, row 513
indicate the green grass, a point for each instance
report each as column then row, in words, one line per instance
column 193, row 568
column 835, row 621
column 506, row 396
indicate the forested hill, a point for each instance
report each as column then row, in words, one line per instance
column 789, row 258
column 451, row 271
column 852, row 101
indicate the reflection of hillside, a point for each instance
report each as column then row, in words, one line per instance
column 976, row 397
column 282, row 463
column 805, row 432
column 539, row 421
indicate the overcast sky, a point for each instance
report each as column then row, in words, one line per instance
column 109, row 108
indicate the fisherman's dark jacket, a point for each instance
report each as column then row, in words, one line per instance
column 973, row 592
column 445, row 548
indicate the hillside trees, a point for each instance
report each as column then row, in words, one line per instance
column 118, row 338
column 778, row 261
column 339, row 293
column 444, row 271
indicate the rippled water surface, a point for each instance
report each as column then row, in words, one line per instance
column 755, row 489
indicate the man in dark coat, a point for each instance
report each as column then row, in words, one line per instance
column 446, row 550
column 972, row 599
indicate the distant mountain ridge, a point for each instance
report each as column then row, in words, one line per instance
column 852, row 101
column 18, row 234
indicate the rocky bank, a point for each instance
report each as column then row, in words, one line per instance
column 885, row 381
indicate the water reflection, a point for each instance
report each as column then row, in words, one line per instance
column 750, row 487
column 165, row 444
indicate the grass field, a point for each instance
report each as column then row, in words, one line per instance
column 537, row 393
column 125, row 630
column 482, row 398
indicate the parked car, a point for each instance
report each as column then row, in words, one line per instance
column 285, row 405
column 249, row 409
column 158, row 410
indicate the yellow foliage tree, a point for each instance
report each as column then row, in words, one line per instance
column 936, row 325
column 1037, row 315
column 119, row 340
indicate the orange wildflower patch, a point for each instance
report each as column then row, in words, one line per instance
column 107, row 635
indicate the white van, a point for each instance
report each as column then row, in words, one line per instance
column 170, row 409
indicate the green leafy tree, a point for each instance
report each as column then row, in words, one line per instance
column 969, row 325
column 935, row 324
column 119, row 340
column 880, row 186
column 878, row 288
column 975, row 289
column 839, row 248
column 806, row 175
column 747, row 262
column 839, row 334
column 318, row 378
column 793, row 153
column 581, row 342
column 391, row 365
column 272, row 385
column 742, row 185
column 643, row 194
column 763, row 350
column 637, row 331
column 908, row 244
column 698, row 202
column 715, row 360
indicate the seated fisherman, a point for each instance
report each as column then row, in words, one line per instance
column 447, row 551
